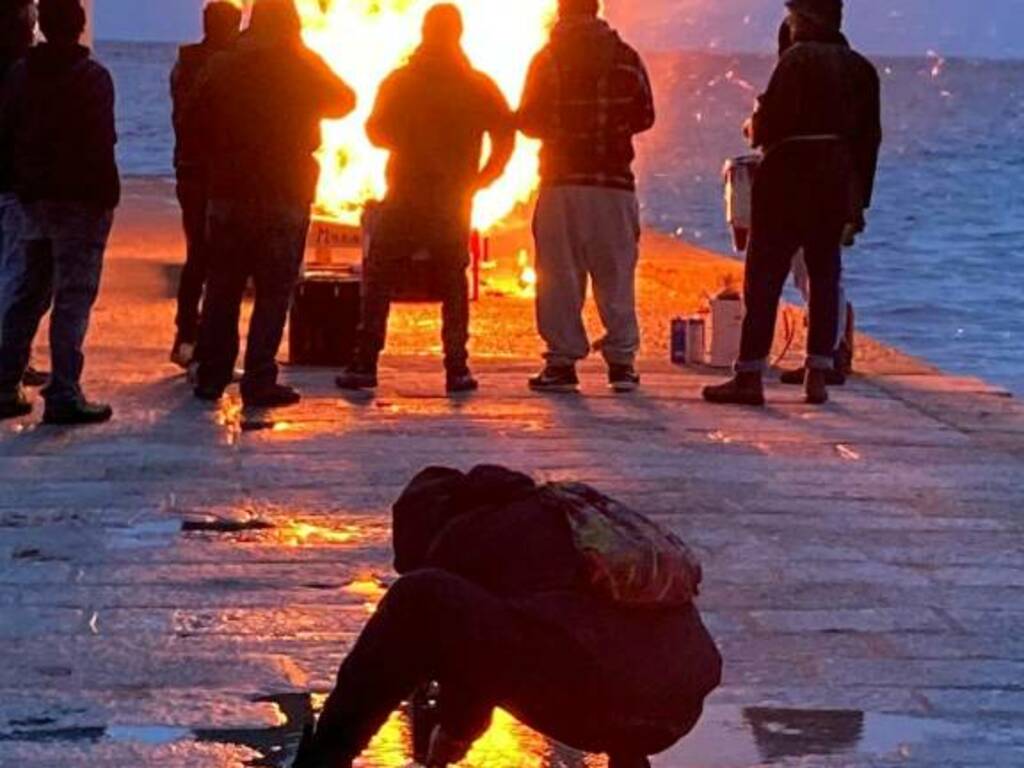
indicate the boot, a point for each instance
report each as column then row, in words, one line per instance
column 461, row 383
column 76, row 414
column 274, row 396
column 561, row 379
column 14, row 405
column 746, row 388
column 797, row 377
column 816, row 386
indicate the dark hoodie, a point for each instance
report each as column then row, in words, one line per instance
column 587, row 94
column 58, row 109
column 824, row 87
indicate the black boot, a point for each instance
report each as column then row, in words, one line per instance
column 556, row 378
column 14, row 405
column 461, row 383
column 361, row 375
column 273, row 396
column 746, row 388
column 80, row 413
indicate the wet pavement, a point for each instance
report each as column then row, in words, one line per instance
column 177, row 588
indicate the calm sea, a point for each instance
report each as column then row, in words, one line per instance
column 940, row 272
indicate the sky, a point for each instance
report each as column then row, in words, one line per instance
column 989, row 28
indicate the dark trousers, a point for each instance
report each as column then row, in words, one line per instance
column 265, row 243
column 193, row 200
column 801, row 200
column 63, row 246
column 643, row 693
column 384, row 270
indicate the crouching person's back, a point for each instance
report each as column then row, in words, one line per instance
column 58, row 112
column 553, row 602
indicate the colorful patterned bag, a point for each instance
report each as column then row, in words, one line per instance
column 629, row 558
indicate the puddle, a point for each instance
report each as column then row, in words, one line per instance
column 726, row 737
column 222, row 526
column 730, row 736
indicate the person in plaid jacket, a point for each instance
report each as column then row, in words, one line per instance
column 587, row 95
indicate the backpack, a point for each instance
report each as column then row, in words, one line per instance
column 627, row 557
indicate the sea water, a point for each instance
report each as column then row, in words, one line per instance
column 940, row 271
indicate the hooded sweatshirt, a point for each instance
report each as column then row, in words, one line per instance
column 587, row 95
column 58, row 109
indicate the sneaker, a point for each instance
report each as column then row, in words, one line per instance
column 744, row 389
column 462, row 383
column 79, row 413
column 560, row 379
column 357, row 379
column 797, row 376
column 623, row 378
column 816, row 387
column 14, row 405
column 274, row 396
column 33, row 378
column 183, row 354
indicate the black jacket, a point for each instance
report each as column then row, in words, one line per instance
column 254, row 121
column 432, row 116
column 192, row 60
column 825, row 88
column 58, row 113
column 587, row 95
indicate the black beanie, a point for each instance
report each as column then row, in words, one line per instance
column 828, row 13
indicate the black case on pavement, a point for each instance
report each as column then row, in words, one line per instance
column 325, row 320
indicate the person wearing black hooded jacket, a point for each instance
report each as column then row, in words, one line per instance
column 58, row 107
column 819, row 124
column 498, row 603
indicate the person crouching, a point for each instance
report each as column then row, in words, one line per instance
column 570, row 611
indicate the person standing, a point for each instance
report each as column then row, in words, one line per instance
column 819, row 124
column 257, row 115
column 58, row 105
column 435, row 137
column 18, row 20
column 586, row 96
column 221, row 23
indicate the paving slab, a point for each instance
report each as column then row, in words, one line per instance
column 177, row 588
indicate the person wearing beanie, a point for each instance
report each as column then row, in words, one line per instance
column 819, row 125
column 255, row 123
column 587, row 96
column 221, row 23
column 58, row 107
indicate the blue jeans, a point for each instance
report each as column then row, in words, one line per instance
column 62, row 248
column 266, row 243
column 12, row 261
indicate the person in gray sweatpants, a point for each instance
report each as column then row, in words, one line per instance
column 587, row 95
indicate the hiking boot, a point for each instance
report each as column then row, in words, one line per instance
column 76, row 414
column 556, row 378
column 274, row 396
column 33, row 378
column 357, row 379
column 744, row 389
column 14, row 405
column 183, row 354
column 816, row 386
column 797, row 377
column 623, row 378
column 461, row 383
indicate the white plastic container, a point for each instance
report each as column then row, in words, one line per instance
column 726, row 329
column 738, row 174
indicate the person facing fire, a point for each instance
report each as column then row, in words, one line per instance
column 587, row 95
column 569, row 610
column 221, row 23
column 819, row 124
column 58, row 105
column 256, row 116
column 18, row 20
column 432, row 116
